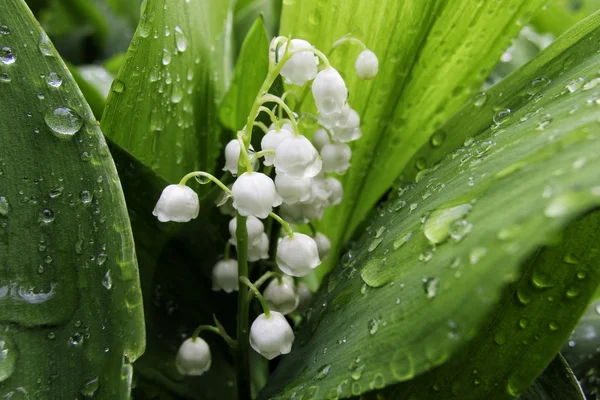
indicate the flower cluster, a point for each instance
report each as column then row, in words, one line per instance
column 290, row 175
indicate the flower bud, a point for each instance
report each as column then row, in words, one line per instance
column 320, row 139
column 177, row 203
column 232, row 156
column 293, row 190
column 271, row 336
column 302, row 66
column 281, row 295
column 254, row 194
column 323, row 245
column 335, row 189
column 367, row 65
column 297, row 255
column 336, row 157
column 254, row 226
column 297, row 157
column 329, row 91
column 193, row 357
column 271, row 141
column 347, row 127
column 259, row 250
column 225, row 276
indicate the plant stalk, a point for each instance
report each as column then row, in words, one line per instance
column 243, row 309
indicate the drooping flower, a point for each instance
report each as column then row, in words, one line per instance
column 271, row 336
column 271, row 141
column 367, row 65
column 193, row 357
column 323, row 245
column 225, row 276
column 335, row 189
column 259, row 250
column 347, row 127
column 302, row 66
column 320, row 139
column 281, row 295
column 254, row 226
column 329, row 91
column 297, row 157
column 254, row 194
column 232, row 156
column 336, row 157
column 177, row 203
column 293, row 190
column 297, row 255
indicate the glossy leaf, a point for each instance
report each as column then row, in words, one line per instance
column 247, row 11
column 438, row 258
column 560, row 15
column 556, row 383
column 162, row 107
column 250, row 71
column 433, row 56
column 582, row 350
column 71, row 308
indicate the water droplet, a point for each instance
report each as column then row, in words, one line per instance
column 376, row 273
column 4, row 206
column 402, row 240
column 438, row 139
column 323, row 371
column 76, row 339
column 476, row 254
column 4, row 77
column 51, row 335
column 56, row 192
column 45, row 45
column 480, row 99
column 402, row 365
column 373, row 326
column 437, row 226
column 64, row 122
column 499, row 339
column 430, row 286
column 375, row 243
column 523, row 323
column 4, row 29
column 553, row 326
column 501, row 116
column 166, row 58
column 356, row 369
column 575, row 85
column 86, row 197
column 573, row 292
column 89, row 388
column 8, row 358
column 47, row 216
column 7, row 56
column 378, row 381
column 107, row 280
column 118, row 86
column 180, row 39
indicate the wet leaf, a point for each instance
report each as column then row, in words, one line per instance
column 557, row 382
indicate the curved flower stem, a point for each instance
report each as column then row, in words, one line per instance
column 259, row 296
column 262, row 126
column 260, row 154
column 216, row 330
column 244, row 155
column 269, row 98
column 243, row 308
column 286, row 227
column 271, row 114
column 347, row 39
column 206, row 175
column 258, row 283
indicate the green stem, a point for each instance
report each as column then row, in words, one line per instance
column 244, row 155
column 262, row 126
column 243, row 309
column 259, row 296
column 268, row 98
column 206, row 175
column 347, row 39
column 216, row 330
column 261, row 153
column 270, row 113
column 286, row 227
column 227, row 251
column 260, row 281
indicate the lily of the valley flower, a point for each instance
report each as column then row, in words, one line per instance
column 335, row 189
column 254, row 194
column 320, row 139
column 302, row 66
column 225, row 276
column 329, row 91
column 254, row 226
column 259, row 250
column 193, row 357
column 281, row 295
column 323, row 245
column 232, row 156
column 367, row 65
column 297, row 157
column 177, row 203
column 293, row 190
column 297, row 255
column 271, row 336
column 271, row 141
column 336, row 157
column 347, row 127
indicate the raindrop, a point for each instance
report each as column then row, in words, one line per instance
column 523, row 323
column 402, row 365
column 438, row 139
column 480, row 99
column 86, row 197
column 118, row 86
column 180, row 39
column 4, row 29
column 476, row 254
column 7, row 56
column 8, row 358
column 554, row 326
column 45, row 46
column 430, row 286
column 47, row 216
column 591, row 84
column 64, row 122
column 375, row 243
column 4, row 77
column 459, row 229
column 166, row 58
column 356, row 369
column 76, row 339
column 402, row 240
column 89, row 388
column 373, row 326
column 575, row 85
column 437, row 226
column 54, row 80
column 107, row 280
column 4, row 206
column 323, row 371
column 501, row 116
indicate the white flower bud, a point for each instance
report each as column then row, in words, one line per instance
column 336, row 157
column 347, row 128
column 260, row 250
column 302, row 66
column 281, row 296
column 254, row 226
column 193, row 357
column 323, row 245
column 297, row 157
column 254, row 194
column 320, row 139
column 271, row 141
column 305, row 296
column 297, row 255
column 225, row 276
column 286, row 125
column 367, row 65
column 293, row 190
column 271, row 336
column 232, row 156
column 328, row 120
column 329, row 91
column 336, row 191
column 177, row 203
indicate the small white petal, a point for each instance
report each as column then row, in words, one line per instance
column 254, row 194
column 281, row 295
column 336, row 157
column 320, row 139
column 367, row 65
column 347, row 128
column 232, row 156
column 336, row 191
column 293, row 190
column 271, row 336
column 193, row 357
column 177, row 203
column 302, row 66
column 259, row 250
column 297, row 255
column 271, row 141
column 323, row 245
column 329, row 91
column 297, row 157
column 254, row 226
column 225, row 276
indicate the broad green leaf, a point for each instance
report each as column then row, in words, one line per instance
column 70, row 302
column 175, row 266
column 582, row 350
column 162, row 107
column 436, row 260
column 94, row 82
column 560, row 15
column 246, row 12
column 556, row 383
column 250, row 71
column 433, row 56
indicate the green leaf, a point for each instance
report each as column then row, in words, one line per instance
column 560, row 15
column 432, row 58
column 247, row 11
column 94, row 82
column 556, row 383
column 176, row 261
column 413, row 303
column 582, row 350
column 251, row 68
column 71, row 316
column 162, row 107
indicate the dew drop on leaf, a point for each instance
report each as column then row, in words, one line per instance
column 90, row 387
column 7, row 56
column 64, row 122
column 501, row 116
column 480, row 99
column 180, row 39
column 4, row 206
column 8, row 358
column 437, row 226
column 4, row 77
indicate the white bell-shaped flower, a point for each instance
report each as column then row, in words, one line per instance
column 254, row 226
column 281, row 295
column 272, row 336
column 320, row 139
column 177, row 203
column 305, row 296
column 367, row 65
column 329, row 91
column 259, row 250
column 193, row 357
column 323, row 245
column 271, row 141
column 225, row 276
column 335, row 189
column 297, row 255
column 293, row 190
column 347, row 127
column 336, row 157
column 302, row 66
column 297, row 157
column 328, row 120
column 293, row 213
column 254, row 194
column 286, row 125
column 232, row 156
